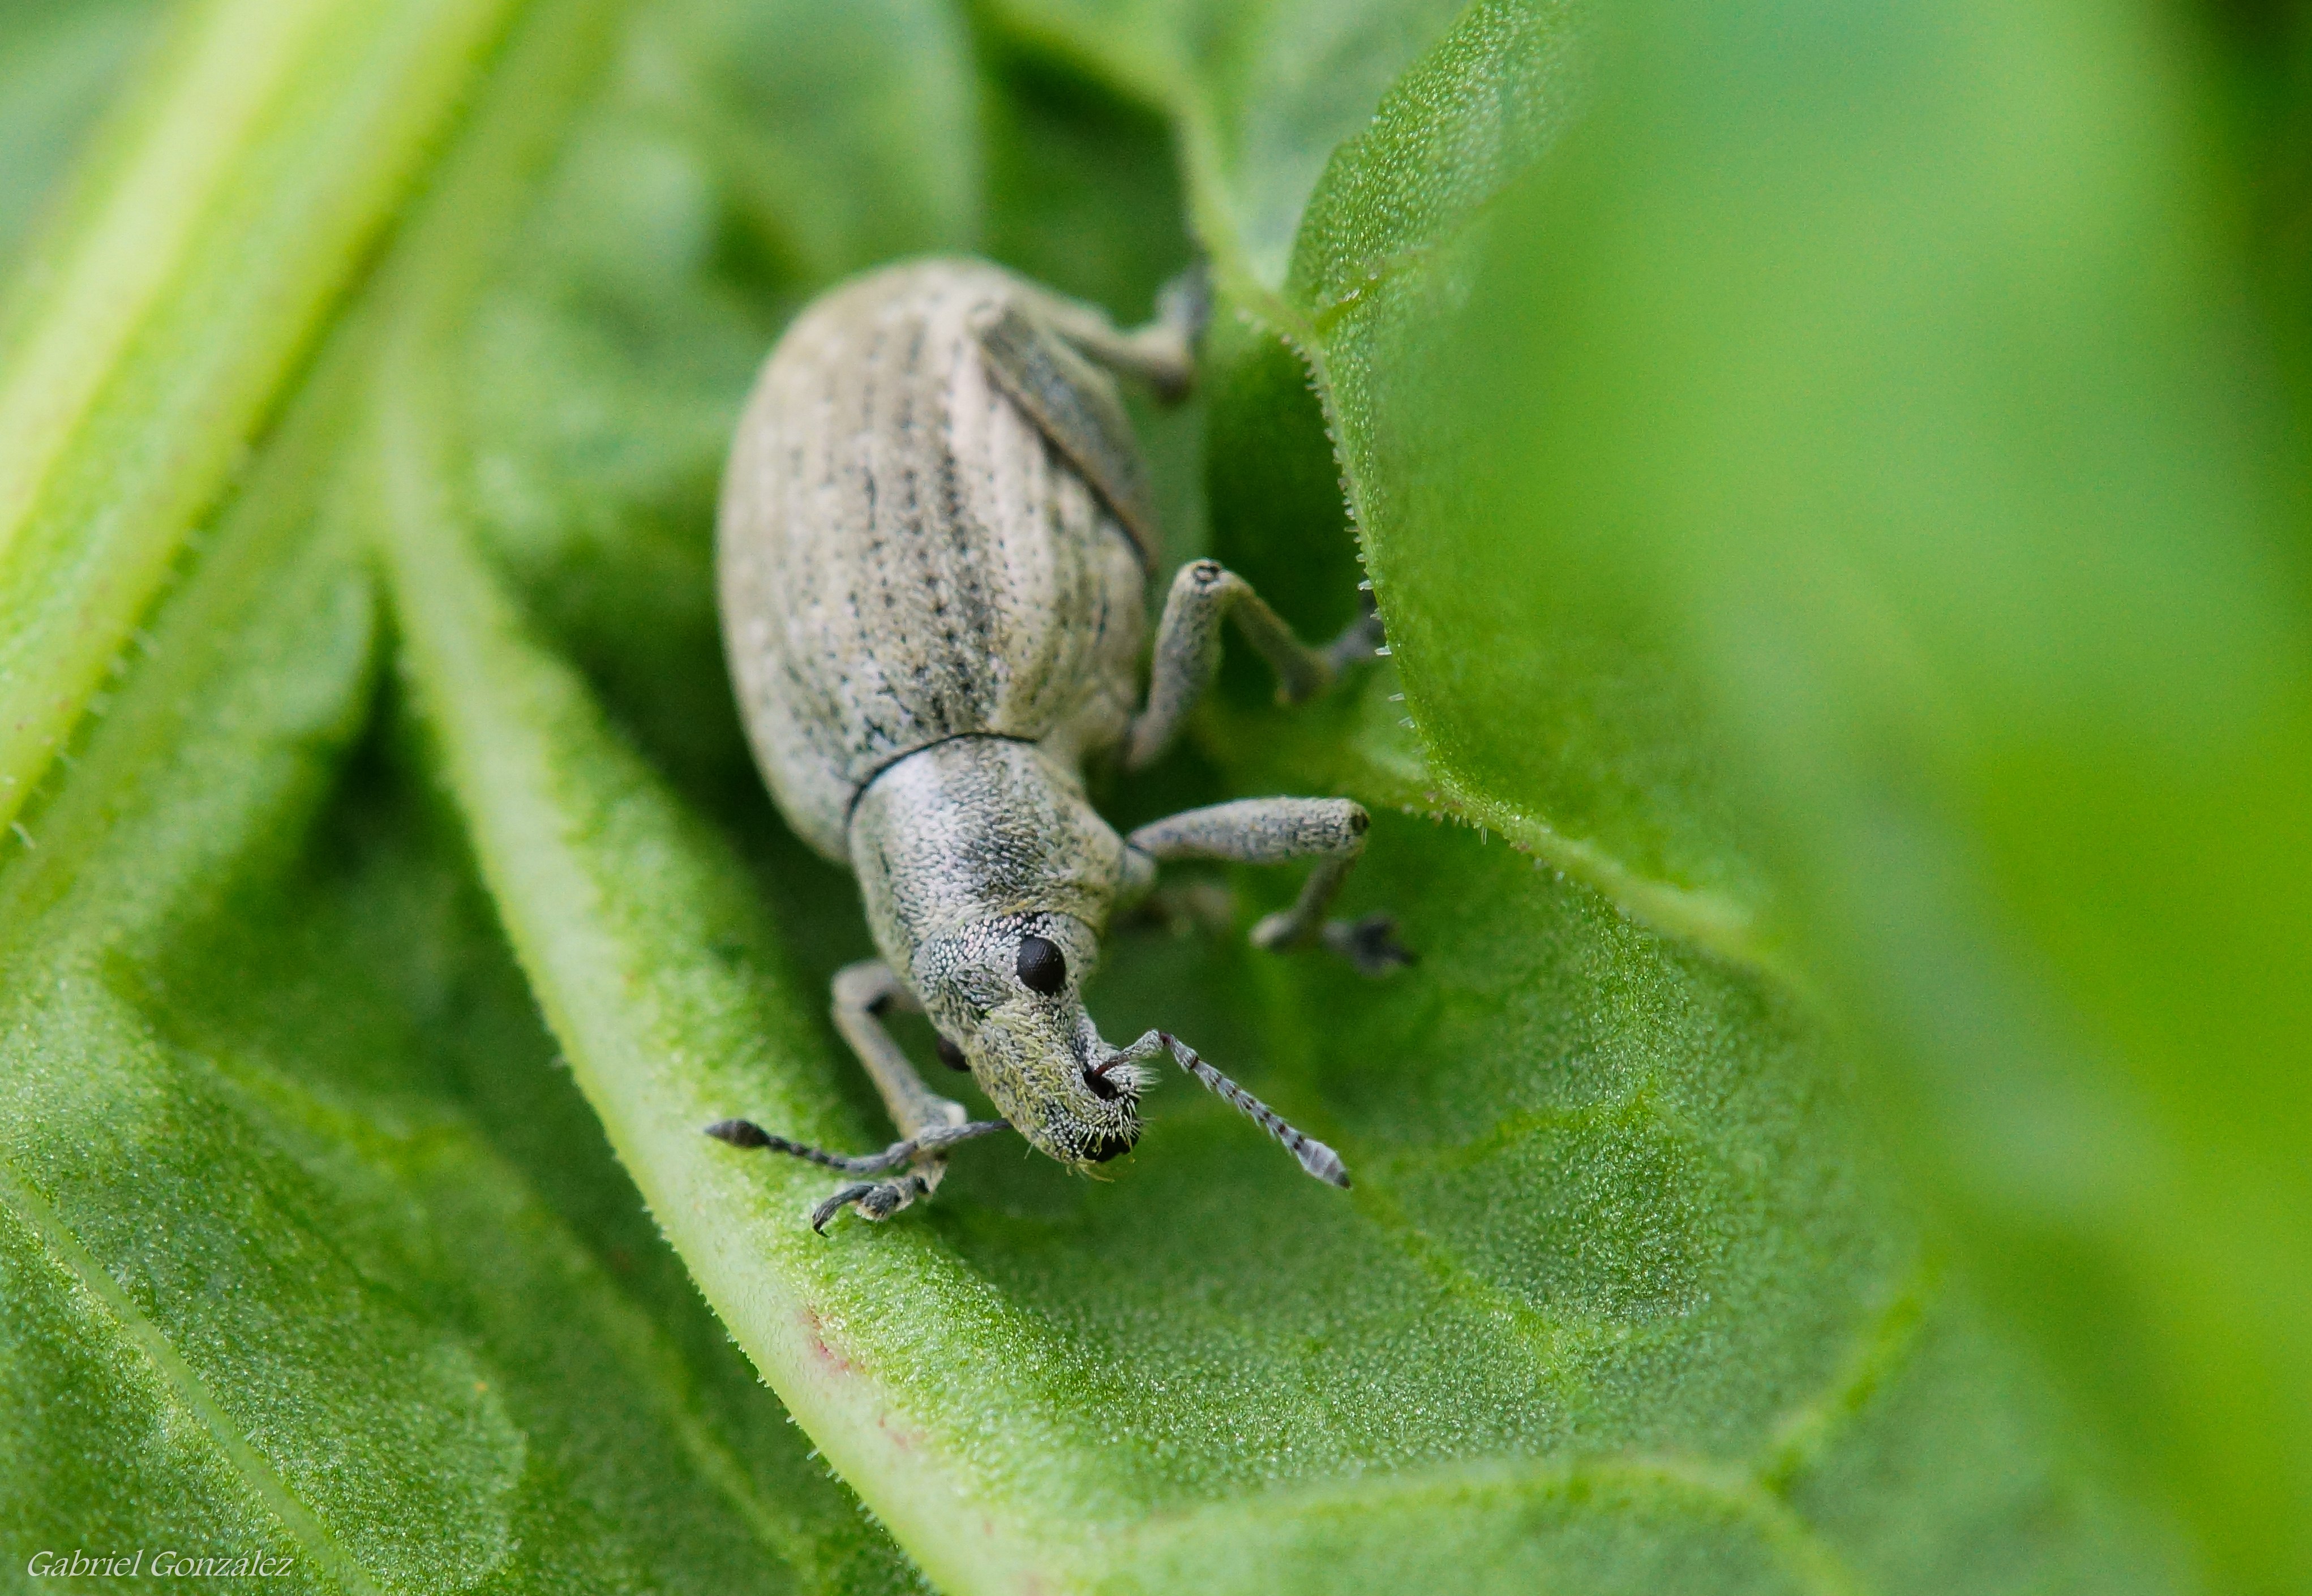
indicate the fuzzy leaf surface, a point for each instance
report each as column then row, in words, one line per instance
column 1624, row 1297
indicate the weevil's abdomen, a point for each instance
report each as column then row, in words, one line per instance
column 904, row 556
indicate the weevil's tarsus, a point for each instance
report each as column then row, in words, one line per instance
column 1314, row 1156
column 1370, row 944
column 874, row 1199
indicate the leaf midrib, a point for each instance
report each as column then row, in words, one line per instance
column 152, row 218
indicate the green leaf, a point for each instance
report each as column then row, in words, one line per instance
column 1626, row 1297
column 57, row 66
column 1618, row 775
column 236, row 193
column 313, row 1254
column 1882, row 371
column 279, row 1286
column 1620, row 1289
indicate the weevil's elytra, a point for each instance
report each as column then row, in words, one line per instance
column 934, row 550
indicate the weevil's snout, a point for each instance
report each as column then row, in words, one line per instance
column 1058, row 1082
column 1008, row 991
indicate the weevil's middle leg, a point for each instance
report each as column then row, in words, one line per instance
column 929, row 1124
column 1188, row 652
column 1271, row 831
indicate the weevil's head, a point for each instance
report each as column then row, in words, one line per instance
column 1005, row 992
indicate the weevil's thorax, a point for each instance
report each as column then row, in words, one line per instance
column 966, row 851
column 976, row 828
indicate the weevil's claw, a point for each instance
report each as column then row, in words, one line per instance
column 834, row 1205
column 1360, row 639
column 874, row 1200
column 1370, row 944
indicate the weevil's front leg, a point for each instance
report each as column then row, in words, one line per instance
column 863, row 994
column 1271, row 831
column 929, row 1124
column 1188, row 651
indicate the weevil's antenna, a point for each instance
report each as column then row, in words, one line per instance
column 1315, row 1157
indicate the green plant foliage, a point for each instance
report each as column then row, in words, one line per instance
column 311, row 1252
column 1910, row 411
column 232, row 198
column 327, row 1246
column 282, row 1280
column 58, row 65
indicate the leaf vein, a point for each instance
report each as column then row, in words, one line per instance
column 33, row 1212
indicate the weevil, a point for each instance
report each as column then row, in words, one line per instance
column 934, row 555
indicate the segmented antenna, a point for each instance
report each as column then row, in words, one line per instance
column 1315, row 1157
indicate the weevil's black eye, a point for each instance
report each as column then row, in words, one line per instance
column 949, row 1054
column 1042, row 967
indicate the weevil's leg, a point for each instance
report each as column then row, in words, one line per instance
column 863, row 994
column 874, row 1200
column 877, row 1199
column 1271, row 831
column 1188, row 651
column 880, row 1199
column 1074, row 407
column 929, row 1124
column 1162, row 354
column 937, row 1138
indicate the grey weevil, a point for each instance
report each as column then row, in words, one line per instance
column 933, row 554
